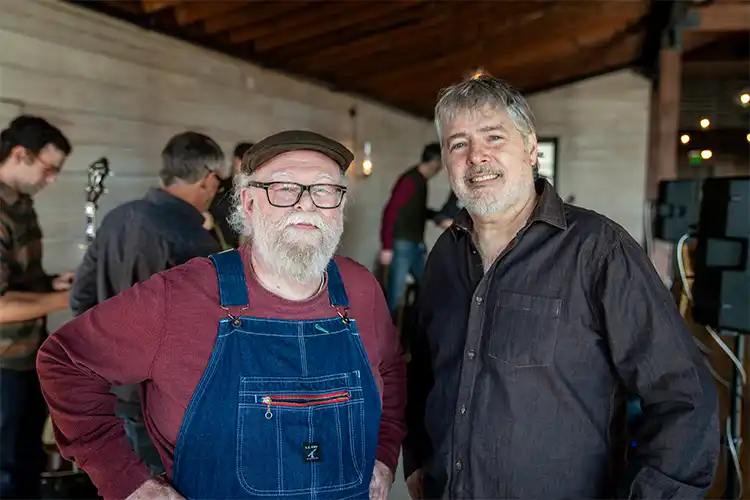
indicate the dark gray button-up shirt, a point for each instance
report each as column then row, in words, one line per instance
column 135, row 241
column 519, row 376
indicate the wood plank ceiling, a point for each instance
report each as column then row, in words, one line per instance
column 402, row 52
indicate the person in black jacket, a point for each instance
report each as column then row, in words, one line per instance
column 221, row 206
column 146, row 236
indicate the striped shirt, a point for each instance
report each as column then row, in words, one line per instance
column 20, row 271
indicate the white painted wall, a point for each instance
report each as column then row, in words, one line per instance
column 602, row 129
column 119, row 91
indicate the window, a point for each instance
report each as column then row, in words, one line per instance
column 547, row 148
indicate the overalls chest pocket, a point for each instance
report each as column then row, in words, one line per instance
column 524, row 328
column 297, row 435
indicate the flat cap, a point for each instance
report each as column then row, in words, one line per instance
column 295, row 140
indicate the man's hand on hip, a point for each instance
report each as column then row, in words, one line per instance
column 382, row 480
column 155, row 489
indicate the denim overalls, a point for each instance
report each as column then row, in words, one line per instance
column 284, row 409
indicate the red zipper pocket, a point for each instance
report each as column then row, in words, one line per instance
column 303, row 400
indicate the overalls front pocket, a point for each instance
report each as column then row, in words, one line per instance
column 296, row 435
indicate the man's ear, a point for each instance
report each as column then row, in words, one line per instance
column 21, row 155
column 533, row 150
column 247, row 200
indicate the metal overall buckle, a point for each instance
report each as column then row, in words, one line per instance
column 343, row 313
column 236, row 321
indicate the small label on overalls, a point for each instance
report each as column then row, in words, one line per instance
column 311, row 452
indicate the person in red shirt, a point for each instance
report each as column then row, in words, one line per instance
column 298, row 392
column 403, row 224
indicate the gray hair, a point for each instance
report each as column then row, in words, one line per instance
column 485, row 91
column 189, row 156
column 237, row 220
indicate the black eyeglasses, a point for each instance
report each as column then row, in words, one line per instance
column 288, row 194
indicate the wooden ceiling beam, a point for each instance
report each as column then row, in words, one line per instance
column 558, row 70
column 437, row 42
column 311, row 47
column 584, row 27
column 315, row 13
column 130, row 6
column 366, row 13
column 365, row 47
column 549, row 73
column 448, row 22
column 725, row 69
column 151, row 6
column 192, row 12
column 720, row 17
column 256, row 13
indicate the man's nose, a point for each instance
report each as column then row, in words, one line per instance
column 477, row 155
column 305, row 202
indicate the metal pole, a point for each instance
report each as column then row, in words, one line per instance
column 731, row 487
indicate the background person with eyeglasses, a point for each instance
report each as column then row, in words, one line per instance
column 221, row 207
column 32, row 152
column 143, row 237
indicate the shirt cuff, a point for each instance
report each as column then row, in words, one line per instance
column 117, row 475
column 388, row 458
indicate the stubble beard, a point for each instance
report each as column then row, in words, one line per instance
column 486, row 200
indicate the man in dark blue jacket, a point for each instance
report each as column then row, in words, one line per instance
column 146, row 236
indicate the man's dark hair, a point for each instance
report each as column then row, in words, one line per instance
column 241, row 149
column 190, row 156
column 431, row 152
column 34, row 134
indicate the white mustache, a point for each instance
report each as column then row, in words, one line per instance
column 312, row 219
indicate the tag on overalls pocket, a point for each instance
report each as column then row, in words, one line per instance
column 311, row 452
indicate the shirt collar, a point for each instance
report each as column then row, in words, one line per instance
column 549, row 208
column 161, row 197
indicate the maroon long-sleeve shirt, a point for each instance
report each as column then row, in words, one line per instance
column 161, row 332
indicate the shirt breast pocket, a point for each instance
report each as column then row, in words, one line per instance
column 524, row 330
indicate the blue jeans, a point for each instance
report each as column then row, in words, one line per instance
column 22, row 416
column 408, row 258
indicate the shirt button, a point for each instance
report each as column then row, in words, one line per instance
column 471, row 353
column 478, row 299
column 459, row 465
column 462, row 410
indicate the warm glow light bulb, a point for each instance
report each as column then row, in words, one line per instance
column 367, row 167
column 747, row 137
column 705, row 123
column 745, row 98
column 684, row 138
column 706, row 154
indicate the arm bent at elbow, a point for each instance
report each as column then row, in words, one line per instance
column 116, row 343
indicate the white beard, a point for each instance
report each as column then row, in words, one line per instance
column 298, row 255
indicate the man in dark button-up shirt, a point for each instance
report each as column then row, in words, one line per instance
column 537, row 320
column 146, row 236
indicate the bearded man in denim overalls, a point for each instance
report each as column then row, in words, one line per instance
column 272, row 370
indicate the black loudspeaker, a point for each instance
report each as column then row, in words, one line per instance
column 676, row 209
column 721, row 290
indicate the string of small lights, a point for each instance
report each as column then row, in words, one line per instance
column 695, row 155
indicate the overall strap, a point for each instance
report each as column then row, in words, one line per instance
column 337, row 292
column 231, row 273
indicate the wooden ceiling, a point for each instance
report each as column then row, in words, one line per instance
column 402, row 52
